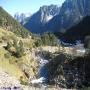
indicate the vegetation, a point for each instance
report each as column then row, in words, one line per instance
column 47, row 38
column 22, row 81
column 16, row 49
column 13, row 56
column 7, row 22
column 11, row 69
column 7, row 55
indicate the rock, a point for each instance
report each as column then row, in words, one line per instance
column 7, row 81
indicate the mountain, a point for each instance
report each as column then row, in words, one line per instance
column 71, row 12
column 78, row 32
column 22, row 17
column 9, row 23
column 40, row 18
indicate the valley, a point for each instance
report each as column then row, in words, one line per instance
column 27, row 66
column 46, row 50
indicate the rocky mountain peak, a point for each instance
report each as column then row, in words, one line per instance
column 41, row 17
column 22, row 17
column 57, row 19
column 48, row 12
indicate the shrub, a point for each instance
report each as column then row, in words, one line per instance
column 22, row 81
column 9, row 45
column 19, row 50
column 49, row 38
column 7, row 55
column 16, row 49
column 4, row 38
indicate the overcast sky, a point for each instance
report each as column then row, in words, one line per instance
column 26, row 6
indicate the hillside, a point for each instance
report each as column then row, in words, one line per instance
column 22, row 66
column 9, row 23
column 71, row 12
column 78, row 32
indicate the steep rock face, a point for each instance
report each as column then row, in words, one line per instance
column 71, row 12
column 48, row 12
column 37, row 21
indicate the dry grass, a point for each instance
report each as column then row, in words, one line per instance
column 11, row 68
